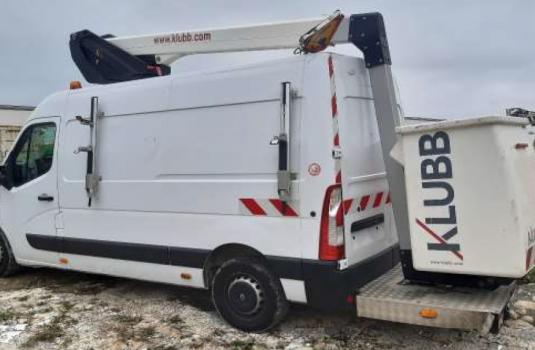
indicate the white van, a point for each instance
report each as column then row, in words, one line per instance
column 188, row 192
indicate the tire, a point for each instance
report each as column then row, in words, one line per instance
column 248, row 296
column 8, row 265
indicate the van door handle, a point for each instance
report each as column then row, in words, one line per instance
column 45, row 198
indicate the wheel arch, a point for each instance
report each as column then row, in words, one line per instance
column 223, row 253
column 6, row 239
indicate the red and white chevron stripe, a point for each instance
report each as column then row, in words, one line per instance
column 334, row 114
column 268, row 207
column 366, row 202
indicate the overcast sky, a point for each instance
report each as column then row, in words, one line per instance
column 452, row 58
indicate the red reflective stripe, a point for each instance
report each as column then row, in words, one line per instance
column 334, row 106
column 338, row 177
column 331, row 67
column 388, row 199
column 253, row 206
column 378, row 199
column 337, row 140
column 347, row 205
column 283, row 208
column 437, row 237
column 364, row 202
column 528, row 258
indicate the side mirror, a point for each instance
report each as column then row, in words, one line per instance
column 5, row 178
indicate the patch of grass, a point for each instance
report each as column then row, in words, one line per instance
column 163, row 347
column 46, row 333
column 125, row 328
column 8, row 315
column 54, row 329
column 45, row 310
column 530, row 278
column 175, row 320
column 66, row 306
column 242, row 344
column 127, row 319
column 66, row 341
column 145, row 332
column 218, row 332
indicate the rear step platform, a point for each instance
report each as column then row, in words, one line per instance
column 391, row 298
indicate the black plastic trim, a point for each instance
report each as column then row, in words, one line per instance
column 103, row 63
column 41, row 242
column 367, row 32
column 425, row 277
column 190, row 257
column 328, row 288
column 284, row 267
column 148, row 253
column 115, row 250
column 367, row 223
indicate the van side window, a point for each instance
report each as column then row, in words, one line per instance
column 34, row 153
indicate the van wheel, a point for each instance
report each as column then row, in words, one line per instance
column 248, row 296
column 8, row 265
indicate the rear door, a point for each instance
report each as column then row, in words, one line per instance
column 368, row 219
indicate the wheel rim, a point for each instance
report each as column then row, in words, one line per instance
column 245, row 295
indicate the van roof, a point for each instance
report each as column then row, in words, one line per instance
column 52, row 105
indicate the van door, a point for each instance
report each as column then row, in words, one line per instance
column 28, row 210
column 368, row 217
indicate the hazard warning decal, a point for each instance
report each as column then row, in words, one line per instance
column 334, row 115
column 268, row 207
column 366, row 202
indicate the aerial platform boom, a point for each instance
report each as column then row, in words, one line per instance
column 167, row 47
column 110, row 59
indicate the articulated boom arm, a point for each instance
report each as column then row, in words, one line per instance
column 168, row 47
column 107, row 59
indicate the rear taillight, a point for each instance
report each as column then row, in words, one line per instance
column 332, row 225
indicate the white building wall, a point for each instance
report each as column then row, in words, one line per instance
column 11, row 120
column 13, row 117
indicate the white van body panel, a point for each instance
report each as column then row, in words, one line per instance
column 187, row 168
column 181, row 165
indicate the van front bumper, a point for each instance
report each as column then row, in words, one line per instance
column 330, row 289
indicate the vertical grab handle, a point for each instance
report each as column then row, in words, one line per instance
column 284, row 173
column 92, row 178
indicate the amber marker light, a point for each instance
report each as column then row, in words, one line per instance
column 428, row 313
column 75, row 84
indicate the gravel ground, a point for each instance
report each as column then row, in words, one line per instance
column 48, row 309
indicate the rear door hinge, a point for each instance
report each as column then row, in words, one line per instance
column 337, row 153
